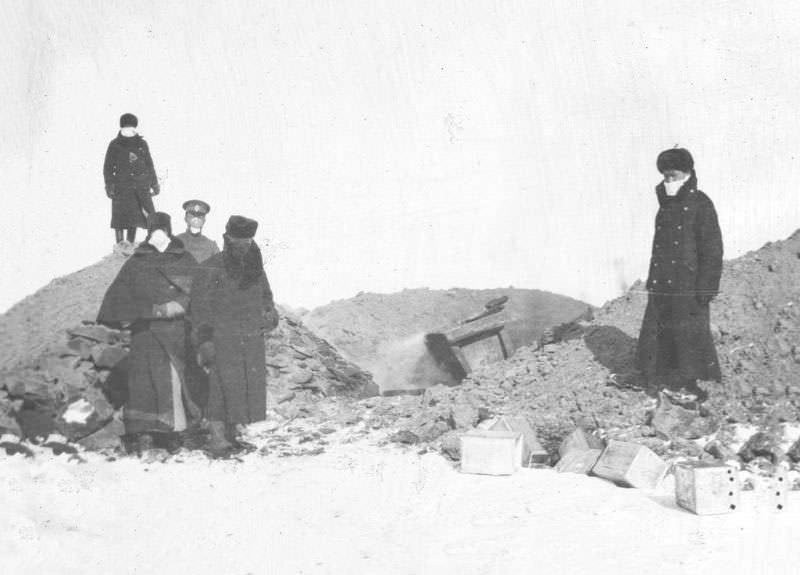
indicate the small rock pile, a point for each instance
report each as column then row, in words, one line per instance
column 77, row 389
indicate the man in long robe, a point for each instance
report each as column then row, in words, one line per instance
column 232, row 310
column 676, row 348
column 150, row 295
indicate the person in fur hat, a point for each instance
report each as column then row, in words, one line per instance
column 150, row 296
column 675, row 347
column 130, row 180
column 232, row 310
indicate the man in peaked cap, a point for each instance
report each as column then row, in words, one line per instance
column 193, row 239
column 232, row 310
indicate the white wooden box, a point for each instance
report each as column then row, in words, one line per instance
column 490, row 452
column 630, row 464
column 578, row 461
column 707, row 488
column 532, row 450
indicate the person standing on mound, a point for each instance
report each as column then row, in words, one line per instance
column 675, row 347
column 130, row 180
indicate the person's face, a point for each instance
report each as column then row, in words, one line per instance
column 674, row 175
column 159, row 238
column 195, row 221
column 239, row 246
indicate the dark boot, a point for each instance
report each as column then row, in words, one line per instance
column 131, row 235
column 118, row 235
column 218, row 444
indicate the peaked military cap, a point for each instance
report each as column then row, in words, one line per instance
column 196, row 207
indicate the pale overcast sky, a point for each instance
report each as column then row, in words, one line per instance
column 406, row 143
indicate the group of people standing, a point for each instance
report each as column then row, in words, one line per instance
column 198, row 316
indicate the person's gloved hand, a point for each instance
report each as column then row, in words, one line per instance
column 206, row 355
column 155, row 190
column 110, row 192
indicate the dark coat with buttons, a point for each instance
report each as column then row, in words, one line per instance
column 675, row 341
column 146, row 281
column 235, row 317
column 129, row 178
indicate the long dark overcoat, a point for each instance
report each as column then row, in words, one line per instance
column 236, row 320
column 150, row 278
column 129, row 177
column 685, row 268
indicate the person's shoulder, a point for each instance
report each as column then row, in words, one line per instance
column 702, row 198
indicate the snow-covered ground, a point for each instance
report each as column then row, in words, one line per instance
column 360, row 508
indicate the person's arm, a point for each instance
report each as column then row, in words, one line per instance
column 151, row 170
column 109, row 171
column 269, row 311
column 120, row 304
column 709, row 254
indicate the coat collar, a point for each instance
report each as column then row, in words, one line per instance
column 688, row 188
column 175, row 247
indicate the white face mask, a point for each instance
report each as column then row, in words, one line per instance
column 672, row 187
column 128, row 131
column 159, row 240
column 194, row 230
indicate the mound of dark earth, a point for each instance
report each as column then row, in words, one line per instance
column 384, row 333
column 59, row 372
column 589, row 378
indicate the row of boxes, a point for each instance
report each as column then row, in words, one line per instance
column 502, row 445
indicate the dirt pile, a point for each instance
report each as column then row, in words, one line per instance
column 384, row 333
column 72, row 378
column 590, row 378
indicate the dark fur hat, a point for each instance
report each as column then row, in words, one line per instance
column 159, row 221
column 128, row 120
column 675, row 159
column 241, row 227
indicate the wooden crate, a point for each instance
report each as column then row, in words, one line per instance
column 580, row 440
column 706, row 488
column 532, row 450
column 779, row 486
column 631, row 465
column 491, row 452
column 578, row 461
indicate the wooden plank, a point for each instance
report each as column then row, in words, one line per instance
column 469, row 333
column 445, row 356
column 490, row 452
column 707, row 488
column 631, row 465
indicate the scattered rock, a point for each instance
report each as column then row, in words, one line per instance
column 764, row 445
column 107, row 357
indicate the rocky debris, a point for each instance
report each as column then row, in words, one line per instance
column 77, row 388
column 762, row 445
column 670, row 420
column 384, row 333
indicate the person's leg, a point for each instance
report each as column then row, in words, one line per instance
column 131, row 235
column 118, row 235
